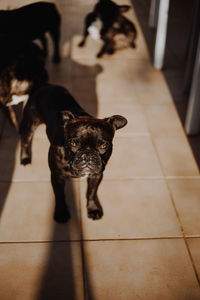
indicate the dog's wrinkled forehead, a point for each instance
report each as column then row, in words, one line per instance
column 90, row 128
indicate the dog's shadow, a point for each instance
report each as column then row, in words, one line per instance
column 80, row 80
column 8, row 145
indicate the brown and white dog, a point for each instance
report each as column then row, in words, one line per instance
column 22, row 71
column 107, row 23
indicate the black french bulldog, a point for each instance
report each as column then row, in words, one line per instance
column 22, row 71
column 80, row 145
column 31, row 22
column 106, row 22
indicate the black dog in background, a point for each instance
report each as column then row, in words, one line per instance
column 31, row 22
column 80, row 145
column 106, row 22
column 22, row 70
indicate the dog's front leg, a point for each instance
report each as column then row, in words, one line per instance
column 91, row 17
column 108, row 47
column 29, row 123
column 61, row 214
column 94, row 208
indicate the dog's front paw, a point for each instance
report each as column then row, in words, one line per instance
column 61, row 216
column 25, row 161
column 133, row 45
column 81, row 44
column 95, row 211
column 110, row 51
column 99, row 55
column 25, row 155
column 95, row 214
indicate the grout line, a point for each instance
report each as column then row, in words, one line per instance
column 183, row 177
column 192, row 260
column 184, row 237
column 195, row 177
column 96, row 240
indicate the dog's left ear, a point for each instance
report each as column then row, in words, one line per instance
column 67, row 115
column 124, row 8
column 117, row 121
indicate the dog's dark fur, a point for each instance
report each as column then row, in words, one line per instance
column 80, row 145
column 31, row 22
column 21, row 72
column 113, row 24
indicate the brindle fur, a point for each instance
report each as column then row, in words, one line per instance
column 80, row 145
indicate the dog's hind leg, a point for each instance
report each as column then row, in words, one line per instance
column 108, row 47
column 131, row 34
column 43, row 41
column 91, row 17
column 29, row 123
column 55, row 34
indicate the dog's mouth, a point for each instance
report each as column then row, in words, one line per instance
column 86, row 165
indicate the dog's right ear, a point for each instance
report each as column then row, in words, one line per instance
column 124, row 8
column 117, row 121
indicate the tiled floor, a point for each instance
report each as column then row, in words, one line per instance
column 147, row 245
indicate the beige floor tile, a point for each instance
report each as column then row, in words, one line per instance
column 194, row 245
column 41, row 132
column 41, row 271
column 175, row 156
column 166, row 116
column 27, row 212
column 122, row 93
column 89, row 68
column 133, row 157
column 133, row 113
column 148, row 269
column 132, row 209
column 152, row 91
column 84, row 91
column 134, row 70
column 186, row 195
column 90, row 49
column 11, row 169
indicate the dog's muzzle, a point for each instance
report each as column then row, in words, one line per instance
column 86, row 164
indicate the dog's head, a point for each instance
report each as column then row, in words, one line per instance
column 107, row 9
column 88, row 142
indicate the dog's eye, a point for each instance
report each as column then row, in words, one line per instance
column 103, row 146
column 74, row 143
